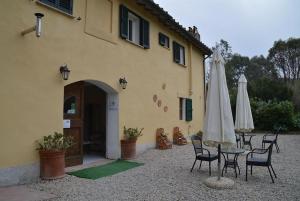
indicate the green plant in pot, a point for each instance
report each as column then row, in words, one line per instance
column 128, row 144
column 52, row 150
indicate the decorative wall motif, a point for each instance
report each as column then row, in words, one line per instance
column 166, row 109
column 159, row 103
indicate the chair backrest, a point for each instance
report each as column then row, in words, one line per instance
column 197, row 144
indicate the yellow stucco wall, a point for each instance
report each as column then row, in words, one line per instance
column 32, row 90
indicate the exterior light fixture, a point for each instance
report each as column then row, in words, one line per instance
column 37, row 28
column 64, row 71
column 123, row 82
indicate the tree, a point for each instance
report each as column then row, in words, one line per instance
column 285, row 56
column 225, row 49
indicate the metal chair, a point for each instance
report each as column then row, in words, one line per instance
column 199, row 155
column 247, row 141
column 264, row 162
column 269, row 138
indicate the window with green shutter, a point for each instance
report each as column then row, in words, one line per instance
column 188, row 110
column 134, row 28
column 178, row 53
column 63, row 5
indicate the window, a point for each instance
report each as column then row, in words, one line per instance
column 63, row 5
column 70, row 105
column 178, row 53
column 133, row 27
column 185, row 109
column 163, row 40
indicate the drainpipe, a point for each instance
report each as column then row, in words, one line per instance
column 190, row 70
column 204, row 83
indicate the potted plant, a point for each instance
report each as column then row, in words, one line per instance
column 52, row 150
column 128, row 144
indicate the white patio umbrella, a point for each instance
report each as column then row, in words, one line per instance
column 218, row 125
column 243, row 115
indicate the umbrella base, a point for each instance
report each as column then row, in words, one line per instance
column 223, row 183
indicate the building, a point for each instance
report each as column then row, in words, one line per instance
column 101, row 42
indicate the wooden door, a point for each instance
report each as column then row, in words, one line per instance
column 73, row 111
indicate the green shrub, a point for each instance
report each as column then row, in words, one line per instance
column 296, row 122
column 273, row 115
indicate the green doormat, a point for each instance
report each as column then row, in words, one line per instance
column 105, row 170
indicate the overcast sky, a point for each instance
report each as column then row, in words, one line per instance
column 250, row 26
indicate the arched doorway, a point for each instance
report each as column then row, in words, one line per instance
column 91, row 118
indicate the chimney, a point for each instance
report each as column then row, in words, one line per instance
column 196, row 33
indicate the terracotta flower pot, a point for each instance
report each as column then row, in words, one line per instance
column 52, row 164
column 128, row 148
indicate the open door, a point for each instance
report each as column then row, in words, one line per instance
column 73, row 112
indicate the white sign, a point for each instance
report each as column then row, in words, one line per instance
column 67, row 123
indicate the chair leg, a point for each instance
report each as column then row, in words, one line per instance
column 271, row 174
column 200, row 164
column 277, row 147
column 193, row 165
column 239, row 169
column 246, row 172
column 273, row 171
column 235, row 171
column 251, row 169
column 209, row 169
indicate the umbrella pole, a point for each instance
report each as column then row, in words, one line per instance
column 219, row 162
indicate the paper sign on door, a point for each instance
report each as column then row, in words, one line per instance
column 67, row 123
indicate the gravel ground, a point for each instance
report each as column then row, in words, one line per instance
column 166, row 176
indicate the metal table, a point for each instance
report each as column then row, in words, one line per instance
column 231, row 161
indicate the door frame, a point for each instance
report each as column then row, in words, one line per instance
column 113, row 150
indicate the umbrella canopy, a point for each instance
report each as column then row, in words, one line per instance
column 218, row 125
column 243, row 115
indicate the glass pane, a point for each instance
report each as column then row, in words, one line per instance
column 70, row 105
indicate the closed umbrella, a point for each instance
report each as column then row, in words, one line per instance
column 218, row 125
column 243, row 115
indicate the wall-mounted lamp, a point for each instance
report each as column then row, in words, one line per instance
column 123, row 82
column 64, row 71
column 37, row 28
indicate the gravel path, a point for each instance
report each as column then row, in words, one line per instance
column 166, row 176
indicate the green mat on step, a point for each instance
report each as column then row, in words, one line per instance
column 105, row 170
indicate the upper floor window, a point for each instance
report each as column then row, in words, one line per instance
column 163, row 40
column 133, row 27
column 178, row 53
column 63, row 5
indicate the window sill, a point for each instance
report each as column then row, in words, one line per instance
column 182, row 65
column 165, row 47
column 55, row 9
column 133, row 43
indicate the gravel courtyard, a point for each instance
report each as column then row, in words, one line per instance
column 166, row 176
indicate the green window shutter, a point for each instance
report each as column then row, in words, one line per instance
column 123, row 22
column 188, row 109
column 144, row 33
column 176, row 52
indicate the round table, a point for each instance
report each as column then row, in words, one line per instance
column 229, row 161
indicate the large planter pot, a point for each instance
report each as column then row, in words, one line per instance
column 52, row 164
column 128, row 150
